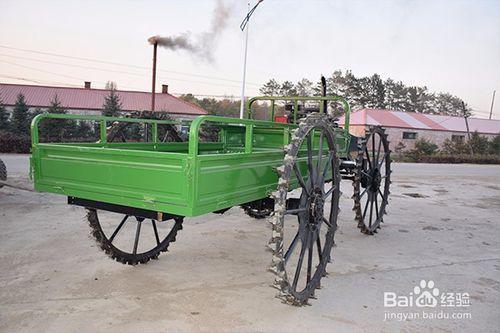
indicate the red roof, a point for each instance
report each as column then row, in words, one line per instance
column 389, row 118
column 93, row 99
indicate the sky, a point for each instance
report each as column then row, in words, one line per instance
column 447, row 45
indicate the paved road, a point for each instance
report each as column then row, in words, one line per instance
column 443, row 226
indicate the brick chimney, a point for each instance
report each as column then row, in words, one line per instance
column 87, row 84
column 164, row 88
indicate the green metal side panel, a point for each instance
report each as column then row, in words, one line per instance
column 142, row 179
column 227, row 180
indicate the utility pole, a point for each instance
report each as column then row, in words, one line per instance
column 244, row 26
column 492, row 102
column 242, row 104
column 467, row 126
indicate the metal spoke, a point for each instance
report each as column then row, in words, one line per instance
column 320, row 152
column 382, row 160
column 368, row 158
column 295, row 211
column 366, row 174
column 309, row 157
column 118, row 229
column 376, row 206
column 137, row 233
column 299, row 177
column 363, row 193
column 156, row 232
column 373, row 149
column 318, row 245
column 310, row 257
column 327, row 194
column 378, row 152
column 327, row 222
column 371, row 211
column 299, row 264
column 366, row 207
column 328, row 164
column 291, row 247
column 381, row 194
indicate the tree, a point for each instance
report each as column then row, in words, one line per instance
column 424, row 147
column 112, row 104
column 4, row 118
column 110, row 85
column 479, row 143
column 304, row 87
column 20, row 116
column 287, row 89
column 270, row 88
column 495, row 145
column 375, row 92
column 54, row 130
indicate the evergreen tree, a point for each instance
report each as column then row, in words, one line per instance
column 4, row 118
column 304, row 87
column 376, row 92
column 54, row 130
column 112, row 105
column 19, row 123
column 270, row 88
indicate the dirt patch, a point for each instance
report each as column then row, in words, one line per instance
column 493, row 187
column 406, row 186
column 415, row 195
column 440, row 190
column 431, row 228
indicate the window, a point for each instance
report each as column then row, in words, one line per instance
column 457, row 138
column 409, row 135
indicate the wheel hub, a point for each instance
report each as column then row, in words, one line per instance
column 316, row 207
column 376, row 180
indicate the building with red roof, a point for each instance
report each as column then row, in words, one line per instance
column 90, row 101
column 407, row 127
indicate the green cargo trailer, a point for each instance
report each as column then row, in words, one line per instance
column 287, row 172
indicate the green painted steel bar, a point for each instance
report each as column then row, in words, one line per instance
column 295, row 110
column 101, row 119
column 272, row 110
column 102, row 131
column 154, row 132
column 331, row 98
column 248, row 138
column 194, row 130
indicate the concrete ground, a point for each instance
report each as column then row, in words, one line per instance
column 443, row 225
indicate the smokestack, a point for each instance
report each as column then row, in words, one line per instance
column 164, row 88
column 87, row 84
column 155, row 48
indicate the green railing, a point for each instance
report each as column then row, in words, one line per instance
column 249, row 125
column 103, row 121
column 295, row 100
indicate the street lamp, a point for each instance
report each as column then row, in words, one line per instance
column 244, row 26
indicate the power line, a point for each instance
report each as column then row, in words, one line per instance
column 121, row 64
column 38, row 81
column 105, row 70
column 78, row 86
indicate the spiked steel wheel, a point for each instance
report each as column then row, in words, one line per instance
column 259, row 209
column 299, row 268
column 133, row 248
column 372, row 180
column 3, row 172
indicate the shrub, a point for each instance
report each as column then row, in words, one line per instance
column 461, row 158
column 14, row 143
column 495, row 145
column 451, row 147
column 425, row 147
column 480, row 144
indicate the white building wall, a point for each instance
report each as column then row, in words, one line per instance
column 395, row 135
